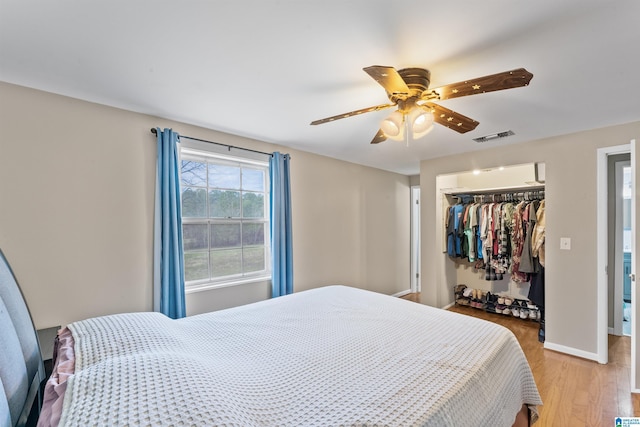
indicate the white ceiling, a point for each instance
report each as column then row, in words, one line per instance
column 265, row 69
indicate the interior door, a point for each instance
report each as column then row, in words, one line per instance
column 415, row 239
column 621, row 267
column 635, row 315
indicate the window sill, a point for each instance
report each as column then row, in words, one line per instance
column 210, row 286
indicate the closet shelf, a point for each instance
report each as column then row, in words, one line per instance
column 502, row 194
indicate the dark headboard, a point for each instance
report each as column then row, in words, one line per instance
column 21, row 367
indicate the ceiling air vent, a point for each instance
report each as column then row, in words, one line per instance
column 498, row 135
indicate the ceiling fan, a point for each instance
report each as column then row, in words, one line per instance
column 408, row 89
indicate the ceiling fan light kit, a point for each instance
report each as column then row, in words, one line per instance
column 408, row 89
column 407, row 125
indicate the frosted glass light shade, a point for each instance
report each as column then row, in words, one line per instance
column 393, row 126
column 421, row 122
column 413, row 125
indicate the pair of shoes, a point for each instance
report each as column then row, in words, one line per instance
column 475, row 302
column 462, row 294
column 490, row 307
column 515, row 310
column 493, row 298
column 463, row 301
column 458, row 289
column 534, row 313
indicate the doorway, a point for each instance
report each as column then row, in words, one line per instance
column 603, row 249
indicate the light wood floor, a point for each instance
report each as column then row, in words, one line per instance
column 575, row 391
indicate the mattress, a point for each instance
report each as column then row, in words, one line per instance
column 329, row 356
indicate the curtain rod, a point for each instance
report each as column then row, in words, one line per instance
column 155, row 132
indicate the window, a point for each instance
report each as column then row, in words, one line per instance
column 225, row 223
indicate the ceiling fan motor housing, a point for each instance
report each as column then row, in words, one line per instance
column 417, row 80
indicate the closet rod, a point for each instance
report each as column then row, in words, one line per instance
column 511, row 190
column 155, row 132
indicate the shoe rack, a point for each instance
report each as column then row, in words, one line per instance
column 495, row 303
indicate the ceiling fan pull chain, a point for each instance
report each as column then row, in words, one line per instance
column 407, row 128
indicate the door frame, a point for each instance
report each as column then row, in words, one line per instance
column 602, row 249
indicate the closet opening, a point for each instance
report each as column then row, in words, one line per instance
column 493, row 228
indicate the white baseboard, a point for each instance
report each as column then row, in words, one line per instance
column 402, row 293
column 408, row 291
column 571, row 351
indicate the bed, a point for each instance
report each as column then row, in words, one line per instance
column 330, row 356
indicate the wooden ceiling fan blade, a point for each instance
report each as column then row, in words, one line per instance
column 451, row 119
column 380, row 137
column 352, row 113
column 500, row 81
column 389, row 79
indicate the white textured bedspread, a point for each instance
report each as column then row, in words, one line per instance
column 333, row 356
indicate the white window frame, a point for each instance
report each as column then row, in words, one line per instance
column 191, row 149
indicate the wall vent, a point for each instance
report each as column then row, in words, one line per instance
column 498, row 135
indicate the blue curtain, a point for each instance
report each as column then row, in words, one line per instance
column 168, row 277
column 280, row 220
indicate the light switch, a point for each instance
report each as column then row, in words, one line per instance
column 565, row 243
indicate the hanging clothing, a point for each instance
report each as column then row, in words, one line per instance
column 505, row 231
column 517, row 244
column 479, row 248
column 537, row 239
column 499, row 236
column 464, row 241
column 493, row 264
column 536, row 289
column 528, row 263
column 469, row 233
column 452, row 225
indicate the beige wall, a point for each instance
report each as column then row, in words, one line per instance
column 571, row 287
column 76, row 212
